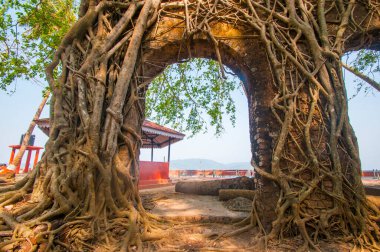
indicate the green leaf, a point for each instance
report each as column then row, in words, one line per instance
column 191, row 96
column 30, row 31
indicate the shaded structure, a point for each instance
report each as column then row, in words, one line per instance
column 158, row 136
column 154, row 136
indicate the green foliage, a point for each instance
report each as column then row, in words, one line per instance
column 368, row 63
column 30, row 31
column 191, row 95
column 188, row 96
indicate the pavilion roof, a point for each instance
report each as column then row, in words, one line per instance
column 44, row 125
column 158, row 135
column 153, row 134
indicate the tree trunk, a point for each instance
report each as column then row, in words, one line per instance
column 364, row 77
column 89, row 172
column 17, row 160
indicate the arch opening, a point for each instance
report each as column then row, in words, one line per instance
column 246, row 58
column 193, row 98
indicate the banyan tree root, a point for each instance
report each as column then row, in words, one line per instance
column 84, row 191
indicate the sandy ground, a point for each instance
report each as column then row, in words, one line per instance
column 204, row 237
column 196, row 223
column 187, row 207
column 200, row 223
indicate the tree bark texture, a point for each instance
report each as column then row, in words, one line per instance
column 303, row 146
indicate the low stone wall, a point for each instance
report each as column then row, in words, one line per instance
column 210, row 173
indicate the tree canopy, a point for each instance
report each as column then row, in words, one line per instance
column 189, row 96
column 30, row 32
column 366, row 66
column 192, row 95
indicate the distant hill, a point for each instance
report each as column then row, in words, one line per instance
column 239, row 165
column 206, row 164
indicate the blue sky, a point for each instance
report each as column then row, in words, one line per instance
column 18, row 109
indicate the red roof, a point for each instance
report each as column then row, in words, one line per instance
column 153, row 134
column 151, row 125
column 158, row 136
column 44, row 125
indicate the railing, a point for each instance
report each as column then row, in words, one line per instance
column 240, row 172
column 369, row 173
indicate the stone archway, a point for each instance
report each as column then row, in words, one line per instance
column 247, row 58
column 288, row 55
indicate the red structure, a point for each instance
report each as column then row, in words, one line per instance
column 30, row 150
column 373, row 173
column 153, row 173
column 156, row 136
column 153, row 136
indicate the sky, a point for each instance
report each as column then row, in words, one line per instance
column 18, row 109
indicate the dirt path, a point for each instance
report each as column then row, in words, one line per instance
column 194, row 223
column 170, row 205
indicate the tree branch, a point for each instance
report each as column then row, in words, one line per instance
column 362, row 76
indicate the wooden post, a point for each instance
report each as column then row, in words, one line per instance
column 151, row 153
column 36, row 158
column 170, row 139
column 26, row 169
column 18, row 167
column 14, row 151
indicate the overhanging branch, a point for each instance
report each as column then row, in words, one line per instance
column 362, row 76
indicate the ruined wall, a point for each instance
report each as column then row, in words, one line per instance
column 244, row 56
column 167, row 43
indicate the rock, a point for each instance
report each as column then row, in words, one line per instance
column 239, row 204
